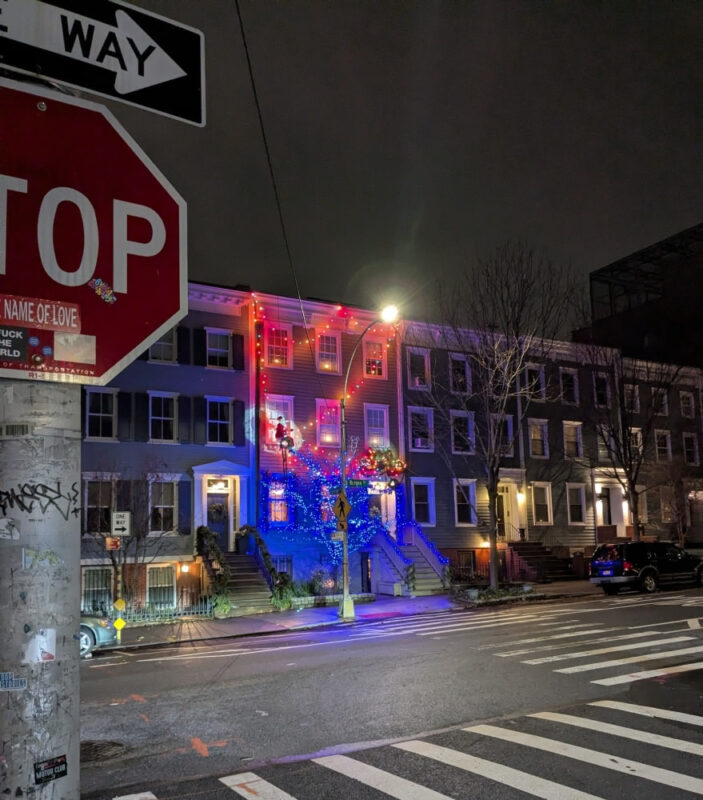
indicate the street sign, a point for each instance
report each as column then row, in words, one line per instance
column 112, row 543
column 356, row 482
column 121, row 523
column 120, row 604
column 341, row 509
column 338, row 536
column 111, row 49
column 92, row 241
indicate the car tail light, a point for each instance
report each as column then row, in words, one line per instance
column 626, row 566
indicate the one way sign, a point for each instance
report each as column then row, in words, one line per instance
column 109, row 48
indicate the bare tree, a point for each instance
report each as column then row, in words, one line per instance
column 502, row 314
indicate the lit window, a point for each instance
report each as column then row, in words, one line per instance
column 219, row 420
column 464, row 502
column 459, row 374
column 605, row 446
column 277, row 346
column 374, row 359
column 539, row 446
column 690, row 448
column 328, row 423
column 418, row 368
column 534, row 383
column 376, row 422
column 636, row 441
column 662, row 440
column 162, row 506
column 462, row 432
column 423, row 500
column 665, row 501
column 542, row 503
column 572, row 440
column 328, row 352
column 687, row 403
column 576, row 499
column 164, row 349
column 160, row 586
column 421, row 422
column 162, row 417
column 278, row 505
column 219, row 350
column 279, row 417
column 99, row 504
column 101, row 411
column 632, row 398
column 601, row 390
column 569, row 387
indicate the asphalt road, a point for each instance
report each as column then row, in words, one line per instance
column 385, row 706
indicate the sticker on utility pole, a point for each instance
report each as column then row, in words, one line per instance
column 50, row 770
column 8, row 682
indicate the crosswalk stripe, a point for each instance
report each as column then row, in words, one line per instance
column 393, row 785
column 561, row 645
column 592, row 632
column 593, row 757
column 249, row 784
column 602, row 650
column 458, row 629
column 681, row 745
column 650, row 673
column 140, row 796
column 619, row 662
column 650, row 711
column 531, row 784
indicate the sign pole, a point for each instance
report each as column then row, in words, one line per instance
column 40, row 506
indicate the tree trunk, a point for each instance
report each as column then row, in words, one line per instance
column 633, row 503
column 492, row 486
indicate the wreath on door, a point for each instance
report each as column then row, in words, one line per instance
column 217, row 512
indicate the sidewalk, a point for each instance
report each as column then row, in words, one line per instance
column 283, row 621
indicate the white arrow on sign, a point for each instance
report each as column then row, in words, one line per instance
column 135, row 58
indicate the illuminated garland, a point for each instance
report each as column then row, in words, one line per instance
column 380, row 462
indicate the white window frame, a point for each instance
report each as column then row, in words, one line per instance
column 690, row 436
column 636, row 433
column 547, row 486
column 575, row 373
column 425, row 353
column 168, row 340
column 98, row 477
column 89, row 391
column 539, row 396
column 578, row 427
column 692, row 399
column 468, row 415
column 384, row 359
column 269, row 328
column 632, row 392
column 322, row 403
column 336, row 336
column 663, row 407
column 282, row 500
column 581, row 487
column 218, row 350
column 467, row 372
column 161, row 565
column 667, row 434
column 386, row 435
column 428, row 413
column 507, row 449
column 544, row 426
column 160, row 478
column 228, row 402
column 432, row 510
column 470, row 484
column 172, row 396
column 606, row 378
column 271, row 421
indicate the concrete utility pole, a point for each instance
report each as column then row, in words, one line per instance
column 39, row 589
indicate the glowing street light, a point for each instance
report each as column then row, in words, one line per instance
column 388, row 314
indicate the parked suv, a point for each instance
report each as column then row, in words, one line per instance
column 644, row 566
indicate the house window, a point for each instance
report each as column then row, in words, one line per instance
column 374, row 359
column 690, row 448
column 421, row 428
column 162, row 417
column 219, row 420
column 96, row 597
column 534, row 383
column 632, row 398
column 219, row 349
column 576, row 503
column 662, row 440
column 665, row 510
column 278, row 346
column 279, row 411
column 687, row 403
column 423, row 500
column 376, row 425
column 162, row 507
column 569, row 387
column 160, row 586
column 636, row 441
column 99, row 503
column 277, row 502
column 328, row 350
column 101, row 412
column 328, row 423
column 283, row 564
column 660, row 402
column 418, row 368
column 502, row 430
column 464, row 502
column 605, row 447
column 164, row 349
column 462, row 432
column 572, row 440
column 601, row 390
column 539, row 445
column 542, row 503
column 459, row 374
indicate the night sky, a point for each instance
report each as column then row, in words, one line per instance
column 408, row 138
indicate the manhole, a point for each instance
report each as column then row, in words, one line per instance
column 101, row 750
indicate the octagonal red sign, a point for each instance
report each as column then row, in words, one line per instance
column 93, row 265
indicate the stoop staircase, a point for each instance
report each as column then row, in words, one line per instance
column 247, row 588
column 547, row 567
column 427, row 581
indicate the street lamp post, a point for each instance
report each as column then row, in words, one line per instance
column 346, row 610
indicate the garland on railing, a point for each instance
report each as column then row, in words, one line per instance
column 208, row 546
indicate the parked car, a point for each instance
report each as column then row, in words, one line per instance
column 96, row 632
column 644, row 566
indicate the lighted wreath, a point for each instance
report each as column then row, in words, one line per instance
column 373, row 462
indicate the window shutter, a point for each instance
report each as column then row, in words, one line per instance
column 124, row 415
column 123, row 500
column 237, row 351
column 238, row 423
column 184, row 507
column 184, row 418
column 199, row 420
column 84, row 404
column 199, row 347
column 183, row 344
column 141, row 417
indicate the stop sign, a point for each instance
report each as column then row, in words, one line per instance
column 92, row 241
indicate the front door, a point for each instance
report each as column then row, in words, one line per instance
column 218, row 517
column 507, row 512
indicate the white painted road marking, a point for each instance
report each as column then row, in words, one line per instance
column 650, row 711
column 619, row 662
column 651, row 673
column 602, row 650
